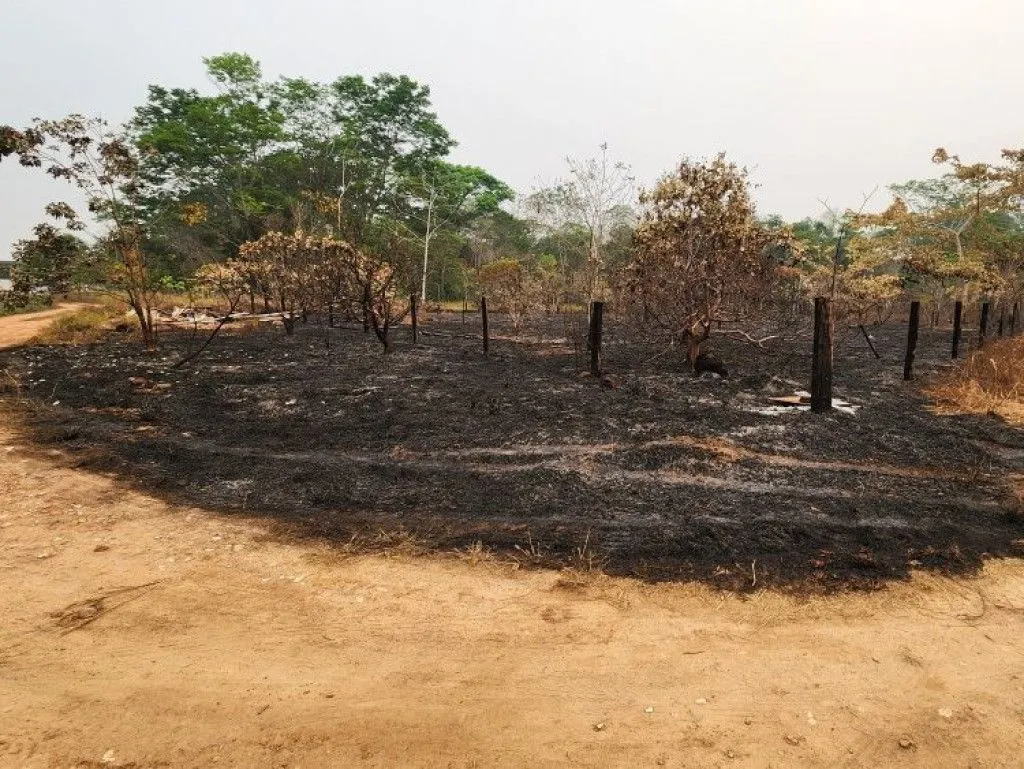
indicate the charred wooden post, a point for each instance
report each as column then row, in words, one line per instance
column 594, row 337
column 821, row 363
column 983, row 328
column 1002, row 321
column 958, row 327
column 915, row 320
column 483, row 317
column 412, row 311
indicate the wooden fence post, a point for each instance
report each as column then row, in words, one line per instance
column 821, row 362
column 958, row 320
column 984, row 324
column 594, row 338
column 412, row 309
column 483, row 317
column 915, row 319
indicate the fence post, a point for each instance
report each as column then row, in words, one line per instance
column 412, row 309
column 821, row 362
column 984, row 324
column 908, row 362
column 958, row 319
column 594, row 338
column 483, row 317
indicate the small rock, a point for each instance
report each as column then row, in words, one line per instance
column 599, row 727
column 649, row 709
column 108, row 757
column 906, row 743
column 101, row 548
column 793, row 739
column 748, row 721
column 730, row 754
column 946, row 713
column 700, row 701
column 811, row 719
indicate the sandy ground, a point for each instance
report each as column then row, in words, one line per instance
column 136, row 634
column 15, row 329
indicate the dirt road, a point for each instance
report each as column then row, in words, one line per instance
column 16, row 329
column 135, row 634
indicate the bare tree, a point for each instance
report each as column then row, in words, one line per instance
column 597, row 196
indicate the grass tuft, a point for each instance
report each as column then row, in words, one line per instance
column 990, row 381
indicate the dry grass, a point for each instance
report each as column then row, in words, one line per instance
column 991, row 380
column 84, row 326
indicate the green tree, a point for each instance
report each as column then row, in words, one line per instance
column 442, row 196
column 51, row 260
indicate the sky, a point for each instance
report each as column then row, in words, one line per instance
column 823, row 100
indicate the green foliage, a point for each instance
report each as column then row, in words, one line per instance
column 50, row 262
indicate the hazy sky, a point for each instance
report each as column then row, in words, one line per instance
column 820, row 98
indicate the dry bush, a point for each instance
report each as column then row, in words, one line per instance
column 990, row 380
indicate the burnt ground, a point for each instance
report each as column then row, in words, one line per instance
column 661, row 476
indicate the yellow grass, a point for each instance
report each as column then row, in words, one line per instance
column 991, row 380
column 89, row 324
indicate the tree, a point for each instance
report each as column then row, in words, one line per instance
column 510, row 284
column 445, row 195
column 301, row 272
column 945, row 234
column 596, row 196
column 51, row 260
column 699, row 250
column 386, row 134
column 208, row 160
column 105, row 166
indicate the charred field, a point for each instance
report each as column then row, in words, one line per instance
column 650, row 472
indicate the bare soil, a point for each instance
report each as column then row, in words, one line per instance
column 144, row 629
column 16, row 329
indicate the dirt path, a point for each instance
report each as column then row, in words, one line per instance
column 231, row 648
column 16, row 329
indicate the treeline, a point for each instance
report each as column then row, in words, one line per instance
column 298, row 196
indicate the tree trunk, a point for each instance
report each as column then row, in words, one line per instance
column 426, row 253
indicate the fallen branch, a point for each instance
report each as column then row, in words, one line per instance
column 743, row 336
